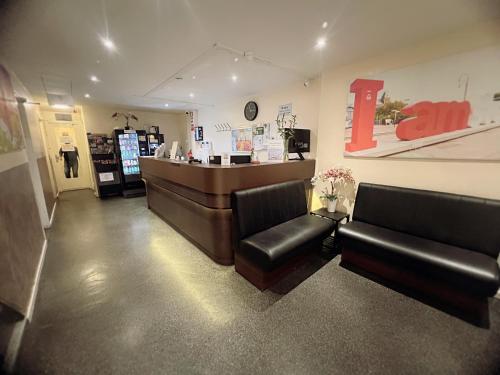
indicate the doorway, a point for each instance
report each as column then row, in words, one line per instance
column 67, row 149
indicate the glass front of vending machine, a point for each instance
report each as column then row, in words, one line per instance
column 129, row 149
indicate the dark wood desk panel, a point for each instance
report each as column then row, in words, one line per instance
column 217, row 179
column 195, row 198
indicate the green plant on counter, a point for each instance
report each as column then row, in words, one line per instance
column 286, row 130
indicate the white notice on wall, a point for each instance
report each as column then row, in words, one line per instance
column 285, row 109
column 275, row 150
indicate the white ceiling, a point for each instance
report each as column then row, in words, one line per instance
column 160, row 40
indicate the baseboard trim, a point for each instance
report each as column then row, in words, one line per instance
column 13, row 347
column 53, row 214
column 34, row 292
column 18, row 331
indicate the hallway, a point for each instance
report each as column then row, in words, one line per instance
column 123, row 293
column 118, row 284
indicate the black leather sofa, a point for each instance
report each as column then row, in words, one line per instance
column 443, row 244
column 273, row 230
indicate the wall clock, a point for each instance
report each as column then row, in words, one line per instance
column 251, row 111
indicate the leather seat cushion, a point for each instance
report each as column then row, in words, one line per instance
column 276, row 245
column 473, row 271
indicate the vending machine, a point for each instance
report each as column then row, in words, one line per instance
column 130, row 144
column 154, row 141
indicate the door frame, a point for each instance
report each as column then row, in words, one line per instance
column 48, row 115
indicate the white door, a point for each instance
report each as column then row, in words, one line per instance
column 67, row 148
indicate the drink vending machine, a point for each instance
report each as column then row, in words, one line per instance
column 130, row 144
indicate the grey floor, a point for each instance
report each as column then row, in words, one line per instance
column 123, row 293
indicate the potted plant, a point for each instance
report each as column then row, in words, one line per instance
column 286, row 129
column 330, row 178
column 127, row 116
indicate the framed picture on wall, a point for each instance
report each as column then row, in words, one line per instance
column 241, row 140
column 447, row 108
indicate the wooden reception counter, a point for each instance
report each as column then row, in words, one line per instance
column 195, row 198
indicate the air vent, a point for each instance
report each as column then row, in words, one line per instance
column 63, row 117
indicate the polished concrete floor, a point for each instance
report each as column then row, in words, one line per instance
column 123, row 293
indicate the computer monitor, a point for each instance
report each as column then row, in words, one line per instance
column 300, row 142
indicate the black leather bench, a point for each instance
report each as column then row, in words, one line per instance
column 273, row 231
column 444, row 244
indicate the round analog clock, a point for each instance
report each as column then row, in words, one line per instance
column 251, row 111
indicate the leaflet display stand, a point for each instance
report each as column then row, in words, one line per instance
column 105, row 165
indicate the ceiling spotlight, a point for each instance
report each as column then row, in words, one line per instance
column 94, row 79
column 324, row 25
column 194, row 77
column 87, row 96
column 236, row 59
column 166, row 104
column 321, row 43
column 191, row 95
column 61, row 106
column 234, row 77
column 108, row 43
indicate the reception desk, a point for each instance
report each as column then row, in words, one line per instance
column 196, row 198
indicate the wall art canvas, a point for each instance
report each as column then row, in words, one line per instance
column 241, row 140
column 11, row 137
column 448, row 108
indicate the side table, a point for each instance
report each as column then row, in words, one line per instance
column 337, row 218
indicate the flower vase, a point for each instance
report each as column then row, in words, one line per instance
column 285, row 149
column 331, row 205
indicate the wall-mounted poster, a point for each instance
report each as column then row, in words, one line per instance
column 260, row 137
column 443, row 109
column 275, row 150
column 241, row 140
column 11, row 138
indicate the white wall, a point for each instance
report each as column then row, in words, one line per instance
column 463, row 177
column 97, row 118
column 305, row 104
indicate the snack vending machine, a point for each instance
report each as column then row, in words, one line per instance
column 130, row 144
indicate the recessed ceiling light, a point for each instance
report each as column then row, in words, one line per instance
column 234, row 77
column 321, row 43
column 194, row 77
column 87, row 96
column 191, row 95
column 166, row 104
column 60, row 106
column 324, row 25
column 236, row 59
column 94, row 79
column 108, row 43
